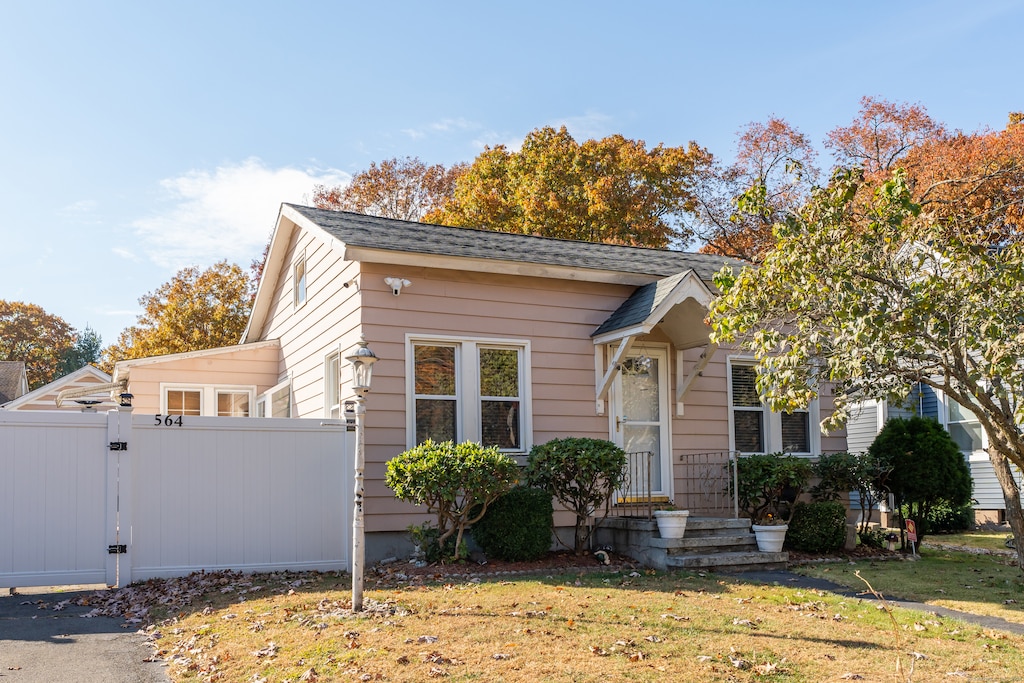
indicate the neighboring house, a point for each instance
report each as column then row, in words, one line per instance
column 867, row 420
column 85, row 378
column 13, row 380
column 507, row 339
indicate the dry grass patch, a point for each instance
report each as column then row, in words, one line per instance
column 591, row 627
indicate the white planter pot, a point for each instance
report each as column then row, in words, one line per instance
column 671, row 523
column 770, row 537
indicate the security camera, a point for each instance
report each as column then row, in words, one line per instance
column 396, row 284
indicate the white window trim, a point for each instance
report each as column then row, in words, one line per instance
column 265, row 398
column 773, row 420
column 207, row 396
column 336, row 388
column 467, row 385
column 301, row 259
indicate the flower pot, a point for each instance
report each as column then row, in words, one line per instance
column 770, row 537
column 671, row 523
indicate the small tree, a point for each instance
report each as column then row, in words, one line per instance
column 927, row 467
column 581, row 474
column 842, row 472
column 455, row 481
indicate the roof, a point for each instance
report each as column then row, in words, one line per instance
column 83, row 376
column 373, row 232
column 12, row 380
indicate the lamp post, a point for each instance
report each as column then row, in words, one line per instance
column 361, row 359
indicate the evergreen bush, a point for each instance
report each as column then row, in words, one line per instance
column 517, row 526
column 817, row 527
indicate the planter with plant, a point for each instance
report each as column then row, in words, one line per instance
column 768, row 487
column 671, row 523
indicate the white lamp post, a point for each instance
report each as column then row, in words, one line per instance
column 362, row 360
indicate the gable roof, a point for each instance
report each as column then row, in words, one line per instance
column 84, row 376
column 390, row 235
column 13, row 381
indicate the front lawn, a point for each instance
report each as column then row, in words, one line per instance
column 634, row 626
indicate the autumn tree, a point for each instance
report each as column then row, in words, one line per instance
column 880, row 137
column 39, row 339
column 774, row 160
column 873, row 291
column 195, row 310
column 609, row 190
column 406, row 189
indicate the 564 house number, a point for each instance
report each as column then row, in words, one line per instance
column 167, row 421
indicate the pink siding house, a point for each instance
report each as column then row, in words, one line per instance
column 506, row 339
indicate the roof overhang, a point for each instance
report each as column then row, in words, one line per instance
column 122, row 369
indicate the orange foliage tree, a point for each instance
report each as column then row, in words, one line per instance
column 406, row 189
column 774, row 160
column 609, row 190
column 39, row 339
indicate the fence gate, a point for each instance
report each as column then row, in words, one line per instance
column 115, row 497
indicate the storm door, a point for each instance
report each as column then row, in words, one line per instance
column 642, row 422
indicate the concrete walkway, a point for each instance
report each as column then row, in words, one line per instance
column 39, row 644
column 791, row 580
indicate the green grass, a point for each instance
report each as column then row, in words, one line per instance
column 984, row 540
column 980, row 584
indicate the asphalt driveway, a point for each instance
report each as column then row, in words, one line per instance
column 40, row 644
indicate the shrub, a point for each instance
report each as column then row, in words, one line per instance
column 517, row 526
column 926, row 467
column 943, row 518
column 769, row 484
column 874, row 538
column 425, row 536
column 817, row 527
column 455, row 481
column 581, row 474
column 842, row 472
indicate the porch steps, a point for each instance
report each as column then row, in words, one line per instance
column 723, row 545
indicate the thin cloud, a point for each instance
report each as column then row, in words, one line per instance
column 226, row 213
column 588, row 126
column 441, row 126
column 126, row 254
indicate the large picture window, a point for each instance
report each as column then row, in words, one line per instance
column 469, row 390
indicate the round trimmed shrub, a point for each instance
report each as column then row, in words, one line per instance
column 817, row 527
column 517, row 526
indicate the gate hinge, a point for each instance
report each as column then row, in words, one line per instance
column 118, row 445
column 117, row 549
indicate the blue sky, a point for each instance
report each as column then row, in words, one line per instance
column 141, row 137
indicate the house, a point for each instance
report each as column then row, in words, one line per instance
column 868, row 417
column 507, row 339
column 92, row 383
column 13, row 380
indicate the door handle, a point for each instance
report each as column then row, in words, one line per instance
column 619, row 421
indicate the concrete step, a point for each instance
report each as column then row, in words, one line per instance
column 711, row 526
column 728, row 562
column 710, row 544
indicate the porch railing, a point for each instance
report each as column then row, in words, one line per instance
column 702, row 483
column 635, row 499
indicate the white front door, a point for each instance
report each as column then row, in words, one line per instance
column 642, row 420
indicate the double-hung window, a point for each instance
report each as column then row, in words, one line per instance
column 755, row 429
column 469, row 389
column 964, row 427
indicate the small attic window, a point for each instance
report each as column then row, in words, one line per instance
column 299, row 281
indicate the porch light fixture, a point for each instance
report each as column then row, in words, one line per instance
column 126, row 400
column 362, row 360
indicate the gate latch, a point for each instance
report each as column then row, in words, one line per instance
column 118, row 445
column 117, row 549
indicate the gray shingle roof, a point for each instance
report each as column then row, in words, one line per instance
column 404, row 236
column 640, row 304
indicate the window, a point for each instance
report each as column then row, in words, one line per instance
column 221, row 401
column 747, row 410
column 754, row 429
column 470, row 390
column 276, row 401
column 299, row 281
column 183, row 402
column 963, row 427
column 332, row 388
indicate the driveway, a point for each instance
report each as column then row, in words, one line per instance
column 39, row 644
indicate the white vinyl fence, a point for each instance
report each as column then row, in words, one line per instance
column 116, row 497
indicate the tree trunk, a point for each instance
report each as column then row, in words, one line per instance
column 1011, row 497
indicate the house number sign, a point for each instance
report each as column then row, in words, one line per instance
column 167, row 421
